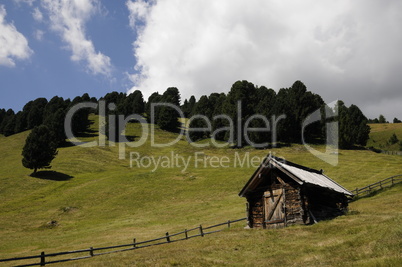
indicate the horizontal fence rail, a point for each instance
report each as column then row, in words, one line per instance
column 358, row 192
column 44, row 259
column 376, row 150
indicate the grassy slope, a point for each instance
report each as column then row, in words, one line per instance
column 368, row 236
column 106, row 202
column 380, row 134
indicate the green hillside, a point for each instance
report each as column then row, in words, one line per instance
column 97, row 200
column 380, row 134
column 370, row 235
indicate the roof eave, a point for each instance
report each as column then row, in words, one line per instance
column 255, row 174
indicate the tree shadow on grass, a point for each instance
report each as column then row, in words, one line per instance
column 52, row 175
column 125, row 138
column 66, row 144
column 130, row 138
column 87, row 133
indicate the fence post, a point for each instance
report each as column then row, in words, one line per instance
column 91, row 252
column 228, row 223
column 201, row 231
column 134, row 243
column 167, row 237
column 185, row 232
column 42, row 259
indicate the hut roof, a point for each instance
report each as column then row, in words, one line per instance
column 300, row 174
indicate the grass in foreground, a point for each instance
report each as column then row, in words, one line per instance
column 104, row 202
column 370, row 235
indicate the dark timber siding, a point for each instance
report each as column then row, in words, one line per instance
column 282, row 193
column 295, row 202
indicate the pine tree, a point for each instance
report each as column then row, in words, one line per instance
column 19, row 122
column 218, row 124
column 133, row 104
column 167, row 117
column 242, row 93
column 345, row 126
column 152, row 99
column 188, row 107
column 201, row 108
column 7, row 125
column 191, row 105
column 382, row 119
column 171, row 95
column 55, row 123
column 35, row 115
column 353, row 128
column 360, row 129
column 80, row 121
column 393, row 139
column 297, row 104
column 53, row 106
column 2, row 115
column 264, row 107
column 40, row 149
column 9, row 128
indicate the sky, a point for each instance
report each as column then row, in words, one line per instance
column 343, row 49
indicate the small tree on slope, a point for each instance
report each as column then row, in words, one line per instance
column 40, row 149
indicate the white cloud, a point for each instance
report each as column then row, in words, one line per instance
column 28, row 2
column 340, row 49
column 68, row 18
column 37, row 14
column 38, row 34
column 13, row 44
column 139, row 10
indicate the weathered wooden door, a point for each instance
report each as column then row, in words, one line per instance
column 274, row 208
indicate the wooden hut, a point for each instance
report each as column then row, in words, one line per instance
column 282, row 193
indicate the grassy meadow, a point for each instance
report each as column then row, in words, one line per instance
column 381, row 133
column 97, row 199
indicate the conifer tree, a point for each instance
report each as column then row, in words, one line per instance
column 39, row 149
column 166, row 116
column 393, row 139
column 9, row 128
column 239, row 106
column 201, row 108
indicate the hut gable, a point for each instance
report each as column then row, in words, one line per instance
column 282, row 193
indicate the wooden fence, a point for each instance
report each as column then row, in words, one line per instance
column 376, row 150
column 377, row 186
column 399, row 153
column 43, row 258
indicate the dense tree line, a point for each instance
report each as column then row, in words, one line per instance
column 382, row 119
column 280, row 117
column 353, row 128
column 46, row 119
column 273, row 116
column 160, row 109
column 50, row 113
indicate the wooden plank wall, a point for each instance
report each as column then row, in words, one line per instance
column 295, row 205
